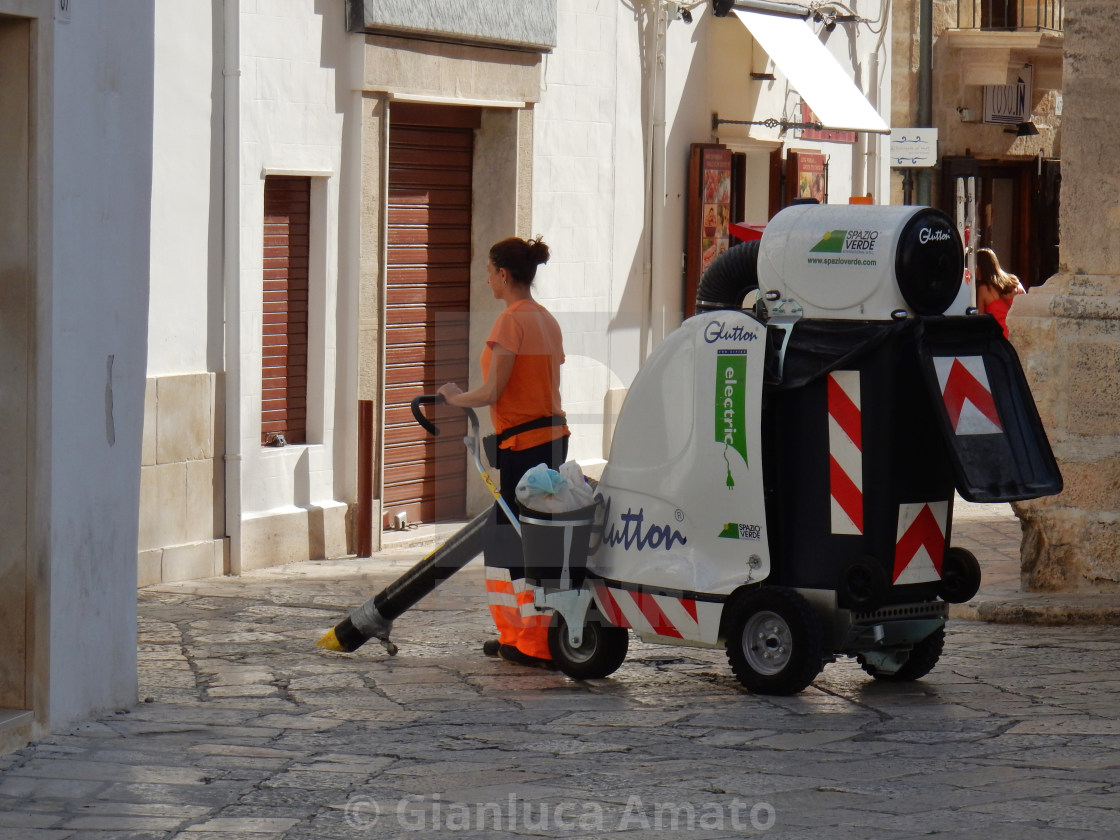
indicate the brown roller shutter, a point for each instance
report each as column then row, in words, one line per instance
column 287, row 217
column 427, row 305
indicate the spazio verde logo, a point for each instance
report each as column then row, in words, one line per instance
column 847, row 242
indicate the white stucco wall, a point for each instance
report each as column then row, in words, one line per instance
column 94, row 307
column 599, row 127
column 290, row 120
column 295, row 100
column 576, row 187
column 734, row 95
column 244, row 90
column 602, row 124
column 185, row 313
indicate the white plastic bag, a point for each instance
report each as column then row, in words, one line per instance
column 582, row 493
column 554, row 491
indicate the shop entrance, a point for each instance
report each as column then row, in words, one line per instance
column 431, row 155
column 16, row 318
column 1010, row 207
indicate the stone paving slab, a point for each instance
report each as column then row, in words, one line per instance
column 246, row 730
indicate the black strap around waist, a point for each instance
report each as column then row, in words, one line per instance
column 539, row 423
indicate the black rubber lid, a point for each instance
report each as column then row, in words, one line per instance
column 930, row 262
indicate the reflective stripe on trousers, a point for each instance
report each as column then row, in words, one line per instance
column 519, row 623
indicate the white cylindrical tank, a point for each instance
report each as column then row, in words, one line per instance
column 862, row 262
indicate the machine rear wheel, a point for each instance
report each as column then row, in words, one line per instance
column 774, row 641
column 921, row 661
column 601, row 652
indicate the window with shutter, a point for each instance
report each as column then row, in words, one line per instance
column 287, row 212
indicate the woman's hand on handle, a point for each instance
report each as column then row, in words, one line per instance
column 449, row 391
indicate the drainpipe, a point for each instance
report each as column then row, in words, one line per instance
column 655, row 154
column 925, row 85
column 656, row 184
column 864, row 144
column 865, row 179
column 874, row 142
column 231, row 277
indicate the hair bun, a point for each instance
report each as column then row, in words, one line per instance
column 538, row 251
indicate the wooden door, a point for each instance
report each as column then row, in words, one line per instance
column 1006, row 218
column 431, row 151
column 17, row 319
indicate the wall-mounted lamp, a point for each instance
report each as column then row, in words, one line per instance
column 966, row 115
column 1023, row 129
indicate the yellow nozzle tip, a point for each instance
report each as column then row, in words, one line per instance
column 330, row 642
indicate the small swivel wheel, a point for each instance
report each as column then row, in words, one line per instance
column 774, row 640
column 862, row 584
column 960, row 576
column 601, row 651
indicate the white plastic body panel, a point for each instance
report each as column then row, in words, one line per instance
column 683, row 504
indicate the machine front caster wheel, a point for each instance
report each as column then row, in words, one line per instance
column 921, row 661
column 601, row 651
column 774, row 641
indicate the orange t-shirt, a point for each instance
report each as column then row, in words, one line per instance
column 528, row 330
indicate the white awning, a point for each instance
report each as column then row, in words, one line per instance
column 813, row 72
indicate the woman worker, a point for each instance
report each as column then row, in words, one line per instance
column 521, row 383
column 995, row 288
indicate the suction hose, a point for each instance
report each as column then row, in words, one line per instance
column 375, row 617
column 728, row 278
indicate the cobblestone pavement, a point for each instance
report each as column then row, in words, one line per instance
column 246, row 731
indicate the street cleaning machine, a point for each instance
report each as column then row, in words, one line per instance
column 782, row 476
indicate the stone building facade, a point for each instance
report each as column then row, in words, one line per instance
column 1066, row 329
column 1068, row 332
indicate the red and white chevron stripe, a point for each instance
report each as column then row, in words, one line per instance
column 648, row 614
column 845, row 451
column 920, row 542
column 967, row 394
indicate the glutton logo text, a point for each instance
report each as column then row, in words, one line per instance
column 847, row 242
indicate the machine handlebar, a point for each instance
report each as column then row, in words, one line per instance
column 437, row 399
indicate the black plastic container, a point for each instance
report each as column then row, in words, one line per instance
column 917, row 437
column 555, row 546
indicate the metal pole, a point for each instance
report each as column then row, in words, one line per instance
column 773, row 7
column 925, row 85
column 365, row 478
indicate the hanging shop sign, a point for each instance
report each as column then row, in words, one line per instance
column 913, row 147
column 1010, row 104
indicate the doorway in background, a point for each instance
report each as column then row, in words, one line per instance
column 17, row 596
column 427, row 308
column 1012, row 208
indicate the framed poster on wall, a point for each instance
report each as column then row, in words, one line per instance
column 799, row 175
column 709, row 213
column 812, row 177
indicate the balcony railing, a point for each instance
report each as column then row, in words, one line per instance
column 1011, row 15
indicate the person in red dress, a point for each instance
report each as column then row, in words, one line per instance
column 995, row 288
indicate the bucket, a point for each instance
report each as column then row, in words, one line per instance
column 555, row 546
